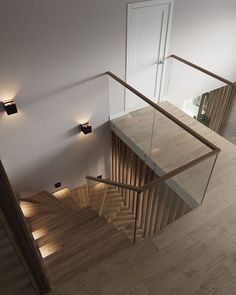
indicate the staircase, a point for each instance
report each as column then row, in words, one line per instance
column 72, row 237
column 76, row 230
column 109, row 202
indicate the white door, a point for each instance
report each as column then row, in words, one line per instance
column 147, row 34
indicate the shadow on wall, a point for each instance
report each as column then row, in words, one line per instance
column 85, row 156
column 31, row 99
column 47, row 146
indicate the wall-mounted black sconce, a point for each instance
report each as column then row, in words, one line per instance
column 10, row 107
column 86, row 128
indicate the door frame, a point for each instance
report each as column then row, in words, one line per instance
column 148, row 3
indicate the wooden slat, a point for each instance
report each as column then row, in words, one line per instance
column 137, row 182
column 128, row 177
column 161, row 207
column 113, row 138
column 172, row 214
column 154, row 210
column 168, row 203
column 141, row 196
column 181, row 209
column 158, row 204
column 119, row 163
column 145, row 200
column 149, row 212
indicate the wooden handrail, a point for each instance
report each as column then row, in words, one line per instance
column 115, row 183
column 157, row 180
column 165, row 113
column 214, row 149
column 209, row 73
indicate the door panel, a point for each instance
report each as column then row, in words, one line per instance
column 146, row 44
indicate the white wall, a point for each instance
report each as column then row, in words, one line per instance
column 49, row 53
column 203, row 32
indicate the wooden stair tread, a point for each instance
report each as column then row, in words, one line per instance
column 42, row 209
column 60, row 221
column 70, row 230
column 123, row 213
column 73, row 238
column 44, row 198
column 66, row 197
column 123, row 223
column 75, row 246
column 92, row 255
column 41, row 221
column 33, row 209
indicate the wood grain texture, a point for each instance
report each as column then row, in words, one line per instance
column 109, row 202
column 72, row 239
column 171, row 149
column 158, row 205
column 194, row 255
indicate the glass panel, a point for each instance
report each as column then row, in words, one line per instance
column 186, row 88
column 164, row 145
column 162, row 206
column 191, row 184
column 116, row 98
column 172, row 146
column 132, row 117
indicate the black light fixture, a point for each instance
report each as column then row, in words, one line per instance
column 10, row 107
column 86, row 128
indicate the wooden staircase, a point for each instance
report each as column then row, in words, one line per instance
column 71, row 237
column 76, row 230
column 125, row 220
column 109, row 202
column 157, row 208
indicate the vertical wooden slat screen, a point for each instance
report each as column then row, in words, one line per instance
column 220, row 103
column 158, row 206
column 22, row 236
